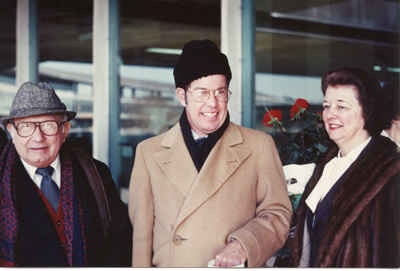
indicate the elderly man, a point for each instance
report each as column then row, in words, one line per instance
column 207, row 190
column 59, row 206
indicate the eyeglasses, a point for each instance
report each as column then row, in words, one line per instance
column 49, row 128
column 202, row 95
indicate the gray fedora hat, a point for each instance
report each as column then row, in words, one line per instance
column 34, row 100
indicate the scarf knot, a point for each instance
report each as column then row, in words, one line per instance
column 200, row 152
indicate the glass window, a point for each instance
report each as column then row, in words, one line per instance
column 298, row 41
column 152, row 36
column 65, row 59
column 7, row 54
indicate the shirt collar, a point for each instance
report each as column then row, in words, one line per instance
column 32, row 170
column 333, row 170
column 196, row 136
column 384, row 133
column 354, row 153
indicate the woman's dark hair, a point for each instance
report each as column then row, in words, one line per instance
column 369, row 92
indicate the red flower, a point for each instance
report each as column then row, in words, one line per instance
column 299, row 107
column 272, row 117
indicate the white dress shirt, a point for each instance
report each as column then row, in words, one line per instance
column 37, row 179
column 196, row 136
column 384, row 133
column 333, row 170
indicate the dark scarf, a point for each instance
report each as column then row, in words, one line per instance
column 71, row 207
column 199, row 153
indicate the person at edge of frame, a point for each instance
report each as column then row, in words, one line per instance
column 59, row 206
column 391, row 110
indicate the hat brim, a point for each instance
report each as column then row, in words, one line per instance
column 70, row 115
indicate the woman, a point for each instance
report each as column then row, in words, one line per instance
column 349, row 212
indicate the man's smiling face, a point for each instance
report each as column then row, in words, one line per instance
column 205, row 117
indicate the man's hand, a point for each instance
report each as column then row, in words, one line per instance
column 233, row 254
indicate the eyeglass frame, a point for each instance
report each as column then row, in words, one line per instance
column 38, row 124
column 228, row 94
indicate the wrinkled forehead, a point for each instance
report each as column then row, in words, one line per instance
column 40, row 118
column 214, row 81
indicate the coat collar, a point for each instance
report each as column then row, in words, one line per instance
column 174, row 159
column 361, row 183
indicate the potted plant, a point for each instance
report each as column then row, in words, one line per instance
column 301, row 140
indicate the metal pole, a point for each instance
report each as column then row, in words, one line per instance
column 27, row 42
column 106, row 90
column 248, row 52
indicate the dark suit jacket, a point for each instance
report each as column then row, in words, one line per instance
column 38, row 243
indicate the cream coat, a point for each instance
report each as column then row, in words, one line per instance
column 182, row 218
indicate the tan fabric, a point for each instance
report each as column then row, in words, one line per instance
column 182, row 218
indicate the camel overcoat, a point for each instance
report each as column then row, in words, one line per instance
column 183, row 218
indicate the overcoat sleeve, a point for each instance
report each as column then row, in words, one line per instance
column 263, row 235
column 141, row 212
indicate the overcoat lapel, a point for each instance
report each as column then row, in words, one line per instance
column 222, row 162
column 175, row 161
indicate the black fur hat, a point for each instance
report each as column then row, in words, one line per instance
column 200, row 58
